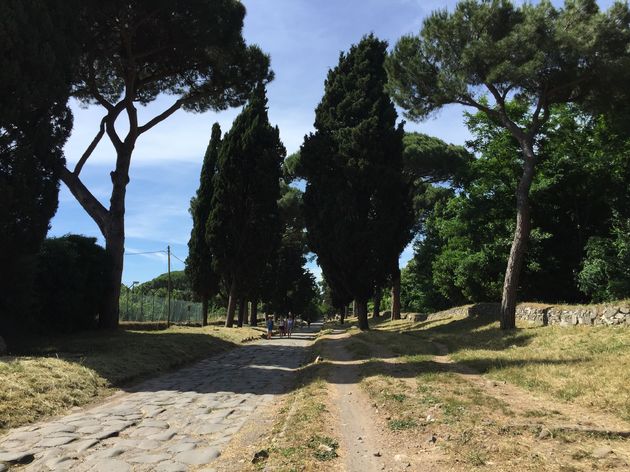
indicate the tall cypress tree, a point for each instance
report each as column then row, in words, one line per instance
column 243, row 228
column 203, row 278
column 357, row 206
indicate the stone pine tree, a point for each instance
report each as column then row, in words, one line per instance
column 243, row 228
column 134, row 51
column 203, row 279
column 356, row 202
column 488, row 52
column 39, row 59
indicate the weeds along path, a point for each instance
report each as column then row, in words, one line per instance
column 178, row 422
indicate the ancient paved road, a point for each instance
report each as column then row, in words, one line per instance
column 177, row 422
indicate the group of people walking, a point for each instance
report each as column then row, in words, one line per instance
column 285, row 326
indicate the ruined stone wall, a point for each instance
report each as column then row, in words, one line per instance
column 565, row 315
column 612, row 314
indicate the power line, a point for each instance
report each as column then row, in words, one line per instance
column 140, row 253
column 177, row 258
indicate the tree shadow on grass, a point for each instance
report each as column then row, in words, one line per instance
column 470, row 333
column 125, row 357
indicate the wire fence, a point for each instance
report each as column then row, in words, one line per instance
column 148, row 307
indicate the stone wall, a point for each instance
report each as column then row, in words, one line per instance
column 613, row 314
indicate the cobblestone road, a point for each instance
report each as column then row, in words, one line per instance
column 177, row 422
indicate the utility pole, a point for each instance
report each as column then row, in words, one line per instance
column 168, row 319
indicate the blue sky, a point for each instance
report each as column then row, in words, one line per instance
column 304, row 38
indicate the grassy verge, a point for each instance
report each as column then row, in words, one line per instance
column 424, row 402
column 50, row 375
column 585, row 365
column 302, row 435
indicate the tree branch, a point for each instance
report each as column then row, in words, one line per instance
column 110, row 128
column 90, row 149
column 161, row 117
column 88, row 201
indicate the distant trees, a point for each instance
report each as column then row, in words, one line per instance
column 356, row 202
column 485, row 54
column 287, row 285
column 243, row 228
column 199, row 268
column 131, row 53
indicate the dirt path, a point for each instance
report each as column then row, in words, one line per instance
column 366, row 443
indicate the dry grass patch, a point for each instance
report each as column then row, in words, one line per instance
column 53, row 374
column 475, row 430
column 583, row 365
column 302, row 438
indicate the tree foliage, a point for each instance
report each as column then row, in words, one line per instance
column 287, row 285
column 579, row 202
column 36, row 69
column 199, row 269
column 243, row 228
column 356, row 201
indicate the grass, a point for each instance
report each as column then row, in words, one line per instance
column 583, row 365
column 49, row 375
column 301, row 434
column 476, row 428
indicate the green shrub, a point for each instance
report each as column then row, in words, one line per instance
column 605, row 274
column 70, row 283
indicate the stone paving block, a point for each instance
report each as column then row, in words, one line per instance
column 198, row 456
column 83, row 445
column 56, row 441
column 170, row 466
column 111, row 465
column 149, row 458
column 165, row 436
column 181, row 447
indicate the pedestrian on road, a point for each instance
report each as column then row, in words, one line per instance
column 283, row 325
column 269, row 326
column 290, row 323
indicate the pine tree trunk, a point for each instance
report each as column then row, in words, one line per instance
column 110, row 222
column 253, row 317
column 344, row 313
column 362, row 314
column 231, row 308
column 204, row 310
column 396, row 293
column 354, row 308
column 378, row 294
column 115, row 241
column 242, row 308
column 115, row 249
column 519, row 243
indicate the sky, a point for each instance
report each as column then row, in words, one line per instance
column 304, row 39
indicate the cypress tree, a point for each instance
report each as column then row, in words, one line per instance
column 203, row 279
column 243, row 228
column 357, row 206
